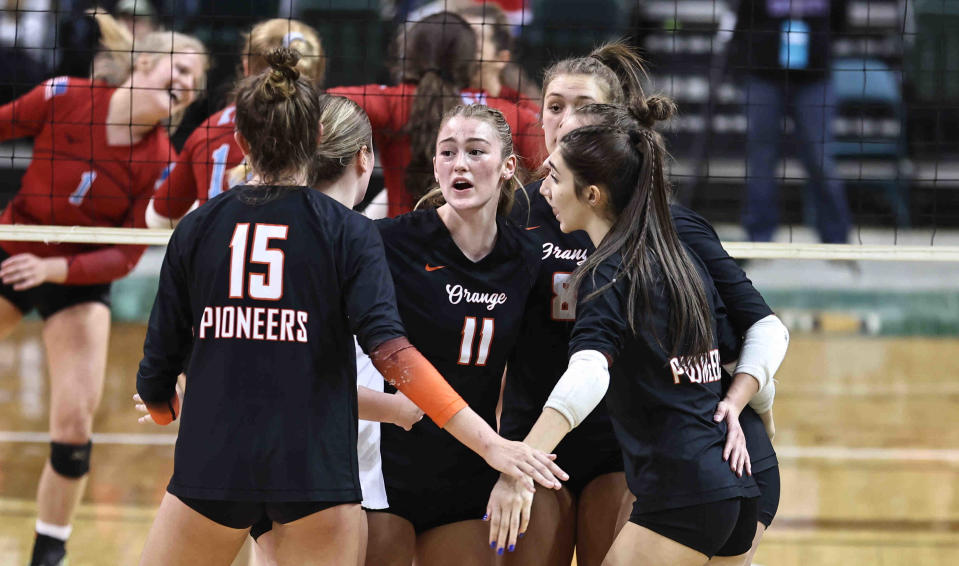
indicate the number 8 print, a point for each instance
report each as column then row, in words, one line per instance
column 563, row 305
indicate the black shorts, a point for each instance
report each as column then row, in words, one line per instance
column 428, row 509
column 720, row 528
column 51, row 298
column 245, row 514
column 585, row 459
column 768, row 482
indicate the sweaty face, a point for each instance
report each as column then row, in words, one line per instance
column 468, row 164
column 564, row 94
column 560, row 192
column 171, row 79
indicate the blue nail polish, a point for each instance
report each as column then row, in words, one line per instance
column 521, row 535
column 492, row 544
column 485, row 516
column 499, row 551
column 511, row 547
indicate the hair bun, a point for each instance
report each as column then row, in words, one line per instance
column 661, row 108
column 283, row 62
column 653, row 109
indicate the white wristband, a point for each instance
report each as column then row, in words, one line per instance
column 582, row 386
column 764, row 348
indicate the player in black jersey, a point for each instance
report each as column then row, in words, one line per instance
column 462, row 273
column 647, row 307
column 261, row 291
column 596, row 502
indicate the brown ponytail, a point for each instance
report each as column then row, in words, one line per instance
column 278, row 114
column 441, row 59
column 628, row 164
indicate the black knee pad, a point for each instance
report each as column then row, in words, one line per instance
column 70, row 460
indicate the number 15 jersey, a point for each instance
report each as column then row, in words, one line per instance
column 268, row 286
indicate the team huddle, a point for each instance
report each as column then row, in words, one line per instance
column 595, row 371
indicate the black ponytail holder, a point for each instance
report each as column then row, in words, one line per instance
column 635, row 137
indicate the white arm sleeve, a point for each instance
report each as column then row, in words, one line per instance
column 763, row 401
column 764, row 348
column 582, row 386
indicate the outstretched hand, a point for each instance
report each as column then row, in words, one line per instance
column 508, row 513
column 525, row 464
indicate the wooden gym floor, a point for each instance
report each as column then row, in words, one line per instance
column 868, row 439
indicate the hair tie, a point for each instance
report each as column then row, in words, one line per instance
column 292, row 36
column 635, row 137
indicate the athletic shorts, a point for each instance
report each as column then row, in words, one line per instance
column 51, row 298
column 720, row 528
column 428, row 509
column 245, row 514
column 585, row 459
column 768, row 482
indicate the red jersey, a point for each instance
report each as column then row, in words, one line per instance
column 202, row 170
column 389, row 108
column 513, row 95
column 76, row 179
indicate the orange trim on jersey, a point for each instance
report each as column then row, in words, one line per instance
column 406, row 369
column 165, row 413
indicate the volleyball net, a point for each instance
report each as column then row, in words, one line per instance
column 890, row 85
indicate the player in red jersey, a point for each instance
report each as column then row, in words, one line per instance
column 437, row 70
column 98, row 149
column 496, row 75
column 202, row 170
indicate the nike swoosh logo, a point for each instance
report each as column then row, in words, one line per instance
column 432, row 268
column 532, row 227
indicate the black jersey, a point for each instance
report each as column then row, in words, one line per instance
column 268, row 285
column 661, row 406
column 539, row 359
column 744, row 307
column 464, row 317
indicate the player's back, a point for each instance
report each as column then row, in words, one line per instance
column 274, row 300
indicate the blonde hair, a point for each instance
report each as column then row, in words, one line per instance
column 114, row 63
column 281, row 32
column 495, row 118
column 119, row 51
column 346, row 130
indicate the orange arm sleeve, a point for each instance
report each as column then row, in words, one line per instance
column 165, row 413
column 406, row 369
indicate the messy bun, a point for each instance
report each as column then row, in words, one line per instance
column 281, row 79
column 277, row 113
column 654, row 109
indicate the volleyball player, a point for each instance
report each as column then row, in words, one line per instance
column 201, row 170
column 595, row 503
column 462, row 273
column 98, row 149
column 435, row 75
column 260, row 292
column 650, row 325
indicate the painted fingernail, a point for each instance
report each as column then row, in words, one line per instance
column 499, row 551
column 492, row 544
column 521, row 535
column 511, row 547
column 485, row 516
